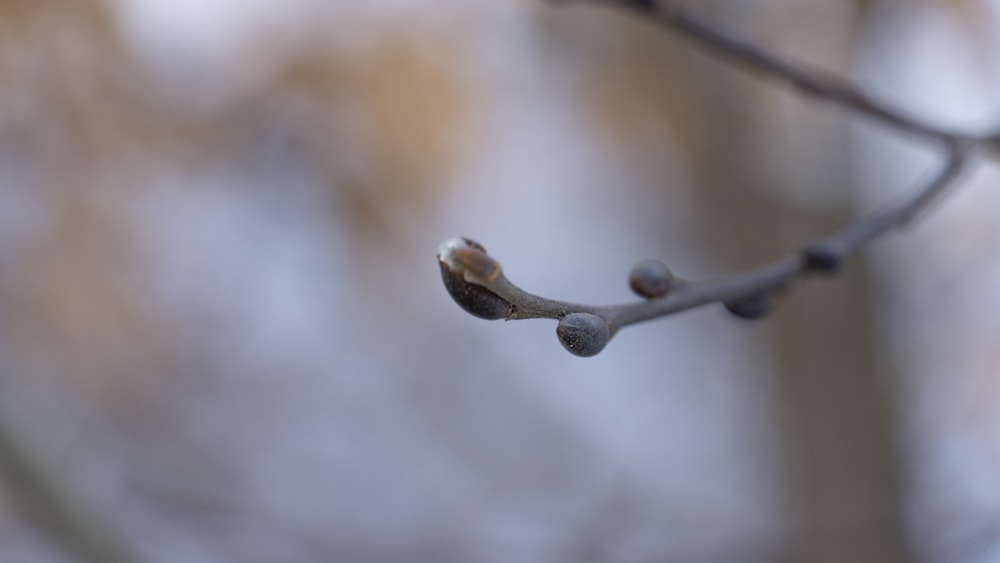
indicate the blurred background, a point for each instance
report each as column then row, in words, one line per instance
column 223, row 335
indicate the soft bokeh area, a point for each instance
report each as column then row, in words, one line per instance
column 224, row 337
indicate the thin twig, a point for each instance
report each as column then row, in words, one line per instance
column 808, row 81
column 477, row 283
column 81, row 533
column 822, row 256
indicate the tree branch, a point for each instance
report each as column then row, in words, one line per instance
column 81, row 532
column 807, row 81
column 477, row 283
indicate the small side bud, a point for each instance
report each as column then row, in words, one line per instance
column 463, row 260
column 642, row 5
column 583, row 334
column 651, row 279
column 751, row 308
column 824, row 257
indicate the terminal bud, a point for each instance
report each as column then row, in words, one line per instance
column 463, row 262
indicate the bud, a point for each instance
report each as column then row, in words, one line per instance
column 462, row 261
column 823, row 256
column 467, row 257
column 583, row 334
column 751, row 308
column 651, row 279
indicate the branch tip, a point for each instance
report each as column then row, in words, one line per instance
column 465, row 267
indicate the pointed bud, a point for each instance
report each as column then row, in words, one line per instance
column 469, row 258
column 463, row 261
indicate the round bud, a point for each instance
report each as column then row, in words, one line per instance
column 824, row 256
column 751, row 308
column 651, row 279
column 583, row 334
column 475, row 299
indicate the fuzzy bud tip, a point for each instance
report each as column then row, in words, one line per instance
column 464, row 266
column 468, row 257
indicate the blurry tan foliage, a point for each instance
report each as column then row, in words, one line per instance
column 94, row 130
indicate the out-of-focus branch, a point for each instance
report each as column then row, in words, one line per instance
column 477, row 283
column 808, row 81
column 81, row 534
